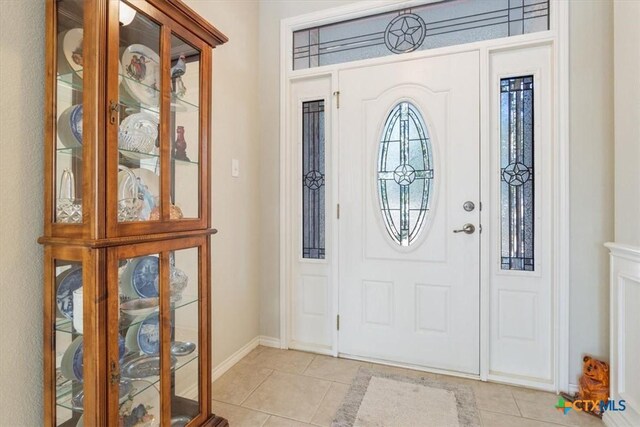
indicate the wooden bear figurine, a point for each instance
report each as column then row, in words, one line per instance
column 594, row 383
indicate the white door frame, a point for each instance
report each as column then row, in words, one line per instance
column 558, row 38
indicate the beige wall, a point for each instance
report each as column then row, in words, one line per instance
column 21, row 163
column 271, row 13
column 236, row 201
column 591, row 202
column 591, row 167
column 627, row 122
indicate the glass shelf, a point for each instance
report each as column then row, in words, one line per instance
column 65, row 390
column 178, row 105
column 66, row 325
column 138, row 155
column 134, row 155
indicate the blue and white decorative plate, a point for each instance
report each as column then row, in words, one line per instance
column 70, row 126
column 76, row 122
column 149, row 335
column 145, row 276
column 68, row 281
column 71, row 365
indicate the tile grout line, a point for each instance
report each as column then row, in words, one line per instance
column 270, row 414
column 320, row 404
column 502, row 414
column 516, row 402
column 308, row 365
column 255, row 388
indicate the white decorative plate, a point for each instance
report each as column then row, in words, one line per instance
column 71, row 42
column 70, row 56
column 141, row 67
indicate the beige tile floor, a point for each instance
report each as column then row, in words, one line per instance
column 286, row 388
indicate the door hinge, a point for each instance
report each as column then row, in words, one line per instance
column 338, row 322
column 338, row 211
column 115, row 373
column 337, row 95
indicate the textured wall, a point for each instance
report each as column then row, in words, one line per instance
column 236, row 207
column 21, row 157
column 591, row 203
column 627, row 124
column 271, row 13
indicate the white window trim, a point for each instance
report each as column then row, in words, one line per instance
column 558, row 36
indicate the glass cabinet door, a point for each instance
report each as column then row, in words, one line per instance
column 158, row 310
column 140, row 333
column 139, row 105
column 68, row 154
column 68, row 339
column 158, row 123
column 184, row 76
column 71, row 378
column 184, row 291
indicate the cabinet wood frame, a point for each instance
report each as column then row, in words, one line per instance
column 100, row 239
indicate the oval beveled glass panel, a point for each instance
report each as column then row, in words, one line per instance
column 405, row 173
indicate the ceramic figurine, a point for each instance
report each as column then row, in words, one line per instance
column 180, row 68
column 594, row 383
column 180, row 147
column 177, row 71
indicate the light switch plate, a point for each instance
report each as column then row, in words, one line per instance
column 235, row 168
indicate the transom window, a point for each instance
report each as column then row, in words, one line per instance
column 429, row 26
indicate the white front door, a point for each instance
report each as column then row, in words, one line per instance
column 409, row 175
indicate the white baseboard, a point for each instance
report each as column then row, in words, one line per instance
column 228, row 363
column 269, row 341
column 573, row 388
column 617, row 419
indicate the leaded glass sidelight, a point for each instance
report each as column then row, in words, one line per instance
column 313, row 177
column 405, row 173
column 516, row 173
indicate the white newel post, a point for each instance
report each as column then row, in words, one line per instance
column 625, row 335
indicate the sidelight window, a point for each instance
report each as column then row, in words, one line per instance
column 313, row 180
column 517, row 173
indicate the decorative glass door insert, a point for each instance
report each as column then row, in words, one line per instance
column 405, row 173
column 313, row 180
column 517, row 173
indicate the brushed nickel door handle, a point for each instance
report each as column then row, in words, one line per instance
column 467, row 229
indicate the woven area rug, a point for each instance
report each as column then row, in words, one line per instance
column 386, row 400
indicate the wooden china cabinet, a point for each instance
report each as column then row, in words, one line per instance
column 127, row 337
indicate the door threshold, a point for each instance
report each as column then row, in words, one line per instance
column 410, row 366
